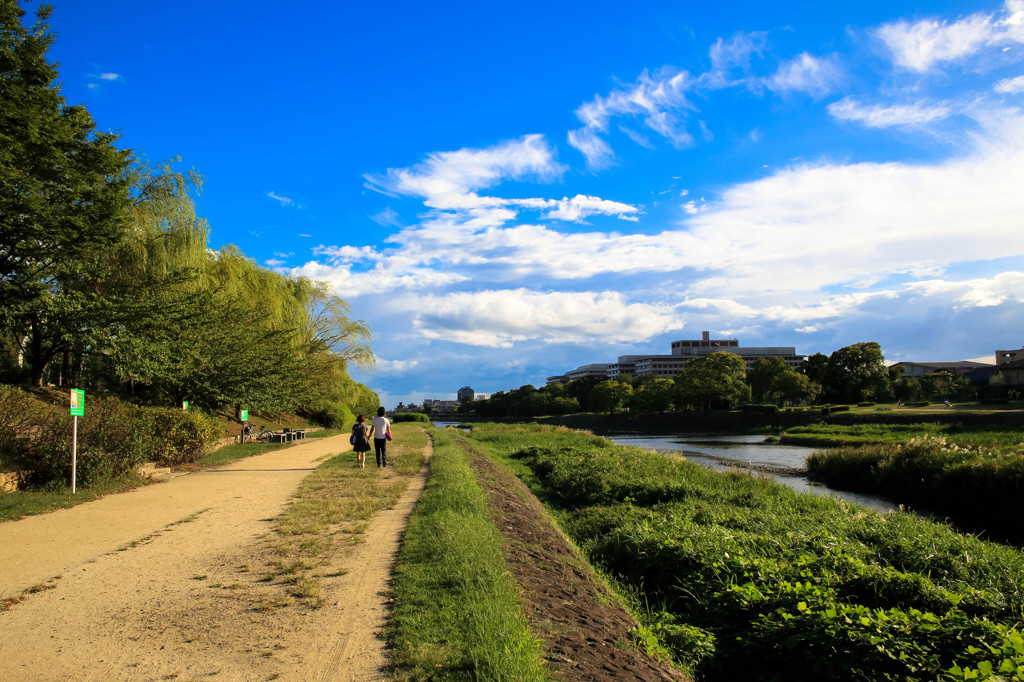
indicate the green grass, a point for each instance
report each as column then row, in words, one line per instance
column 457, row 615
column 829, row 435
column 746, row 579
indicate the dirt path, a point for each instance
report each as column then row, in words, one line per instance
column 165, row 582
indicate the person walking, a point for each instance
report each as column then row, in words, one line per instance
column 381, row 429
column 361, row 440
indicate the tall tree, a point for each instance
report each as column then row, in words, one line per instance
column 714, row 380
column 63, row 193
column 856, row 372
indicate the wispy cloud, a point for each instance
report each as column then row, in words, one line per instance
column 97, row 80
column 806, row 73
column 1010, row 86
column 920, row 46
column 877, row 116
column 284, row 201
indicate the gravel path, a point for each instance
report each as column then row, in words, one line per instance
column 165, row 582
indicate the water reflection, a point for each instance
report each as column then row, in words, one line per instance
column 783, row 463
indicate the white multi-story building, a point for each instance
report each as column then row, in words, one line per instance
column 683, row 352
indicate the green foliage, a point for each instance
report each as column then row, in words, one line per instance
column 114, row 437
column 611, row 396
column 182, row 437
column 411, row 417
column 714, row 380
column 653, row 395
column 974, row 485
column 62, row 197
column 772, row 584
column 856, row 373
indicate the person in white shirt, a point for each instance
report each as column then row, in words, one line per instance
column 381, row 436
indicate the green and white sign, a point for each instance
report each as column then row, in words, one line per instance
column 77, row 402
column 184, row 404
column 245, row 415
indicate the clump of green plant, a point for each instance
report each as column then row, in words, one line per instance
column 410, row 417
column 974, row 485
column 768, row 584
column 182, row 437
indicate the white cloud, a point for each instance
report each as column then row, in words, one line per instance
column 977, row 293
column 849, row 109
column 110, row 76
column 659, row 102
column 449, row 180
column 598, row 153
column 1010, row 86
column 386, row 218
column 499, row 318
column 921, row 45
column 394, row 366
column 581, row 206
column 809, row 329
column 284, row 201
column 806, row 73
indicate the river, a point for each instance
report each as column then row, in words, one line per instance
column 783, row 463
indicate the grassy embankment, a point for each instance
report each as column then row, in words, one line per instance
column 457, row 614
column 973, row 475
column 746, row 579
column 330, row 512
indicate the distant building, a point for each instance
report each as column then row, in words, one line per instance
column 466, row 394
column 920, row 369
column 683, row 352
column 1006, row 356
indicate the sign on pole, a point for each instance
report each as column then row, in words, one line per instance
column 77, row 410
column 245, row 415
column 184, row 405
column 77, row 402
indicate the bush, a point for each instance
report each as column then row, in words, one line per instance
column 332, row 415
column 181, row 437
column 36, row 439
column 865, row 404
column 410, row 417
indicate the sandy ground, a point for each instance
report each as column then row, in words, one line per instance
column 164, row 582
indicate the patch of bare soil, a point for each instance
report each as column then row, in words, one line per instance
column 171, row 582
column 585, row 630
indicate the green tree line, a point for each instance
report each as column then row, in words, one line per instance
column 721, row 380
column 108, row 282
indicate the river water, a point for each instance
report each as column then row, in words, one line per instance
column 783, row 463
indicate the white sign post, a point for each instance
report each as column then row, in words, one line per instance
column 77, row 410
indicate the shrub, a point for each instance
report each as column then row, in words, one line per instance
column 181, row 437
column 410, row 417
column 865, row 404
column 332, row 415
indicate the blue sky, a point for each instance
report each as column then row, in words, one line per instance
column 505, row 192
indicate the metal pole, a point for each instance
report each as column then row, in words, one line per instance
column 74, row 455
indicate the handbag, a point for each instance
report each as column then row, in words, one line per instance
column 352, row 439
column 387, row 434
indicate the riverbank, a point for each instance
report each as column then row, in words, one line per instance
column 745, row 579
column 770, row 421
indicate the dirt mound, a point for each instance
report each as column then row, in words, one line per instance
column 586, row 632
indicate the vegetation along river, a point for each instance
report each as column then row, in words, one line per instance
column 783, row 463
